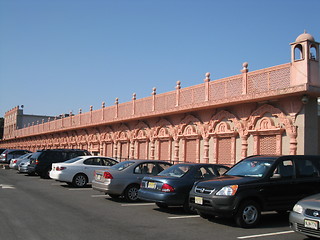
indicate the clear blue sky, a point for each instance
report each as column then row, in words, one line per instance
column 58, row 56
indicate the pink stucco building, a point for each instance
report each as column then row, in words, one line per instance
column 268, row 111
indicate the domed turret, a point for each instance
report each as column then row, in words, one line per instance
column 305, row 36
column 305, row 61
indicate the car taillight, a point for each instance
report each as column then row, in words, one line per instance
column 107, row 175
column 37, row 161
column 167, row 188
column 60, row 168
column 15, row 161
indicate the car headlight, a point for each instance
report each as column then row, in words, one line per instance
column 297, row 208
column 228, row 190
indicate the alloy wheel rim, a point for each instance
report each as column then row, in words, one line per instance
column 250, row 214
column 80, row 181
column 133, row 193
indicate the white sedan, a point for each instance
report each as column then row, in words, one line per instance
column 79, row 171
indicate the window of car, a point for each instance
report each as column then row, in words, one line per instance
column 251, row 167
column 122, row 165
column 52, row 155
column 177, row 171
column 306, row 168
column 163, row 166
column 36, row 155
column 205, row 172
column 108, row 162
column 284, row 170
column 73, row 160
column 17, row 152
column 146, row 168
column 221, row 170
column 73, row 154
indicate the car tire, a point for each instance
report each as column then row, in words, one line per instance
column 248, row 214
column 80, row 180
column 45, row 174
column 161, row 205
column 131, row 193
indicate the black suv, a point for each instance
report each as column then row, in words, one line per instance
column 256, row 184
column 41, row 161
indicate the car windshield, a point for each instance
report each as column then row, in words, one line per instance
column 72, row 160
column 251, row 167
column 122, row 165
column 175, row 171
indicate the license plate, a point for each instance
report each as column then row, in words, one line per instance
column 198, row 200
column 152, row 185
column 311, row 224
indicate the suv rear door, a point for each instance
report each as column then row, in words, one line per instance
column 308, row 176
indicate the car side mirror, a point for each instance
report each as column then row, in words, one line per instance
column 276, row 176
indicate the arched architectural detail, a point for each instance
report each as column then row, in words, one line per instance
column 107, row 142
column 268, row 134
column 189, row 135
column 224, row 127
column 82, row 139
column 161, row 147
column 94, row 141
column 141, row 137
column 123, row 137
column 189, row 120
column 298, row 52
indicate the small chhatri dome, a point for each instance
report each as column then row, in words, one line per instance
column 305, row 36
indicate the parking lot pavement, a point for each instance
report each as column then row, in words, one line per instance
column 33, row 208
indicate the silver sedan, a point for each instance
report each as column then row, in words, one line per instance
column 305, row 216
column 124, row 179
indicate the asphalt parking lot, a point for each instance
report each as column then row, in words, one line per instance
column 33, row 208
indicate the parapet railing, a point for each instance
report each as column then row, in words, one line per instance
column 209, row 93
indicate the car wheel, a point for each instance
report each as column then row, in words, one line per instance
column 248, row 214
column 161, row 205
column 80, row 180
column 45, row 174
column 131, row 193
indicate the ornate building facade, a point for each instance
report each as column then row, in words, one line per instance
column 268, row 111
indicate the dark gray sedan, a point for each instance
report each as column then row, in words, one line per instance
column 171, row 187
column 305, row 216
column 124, row 179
